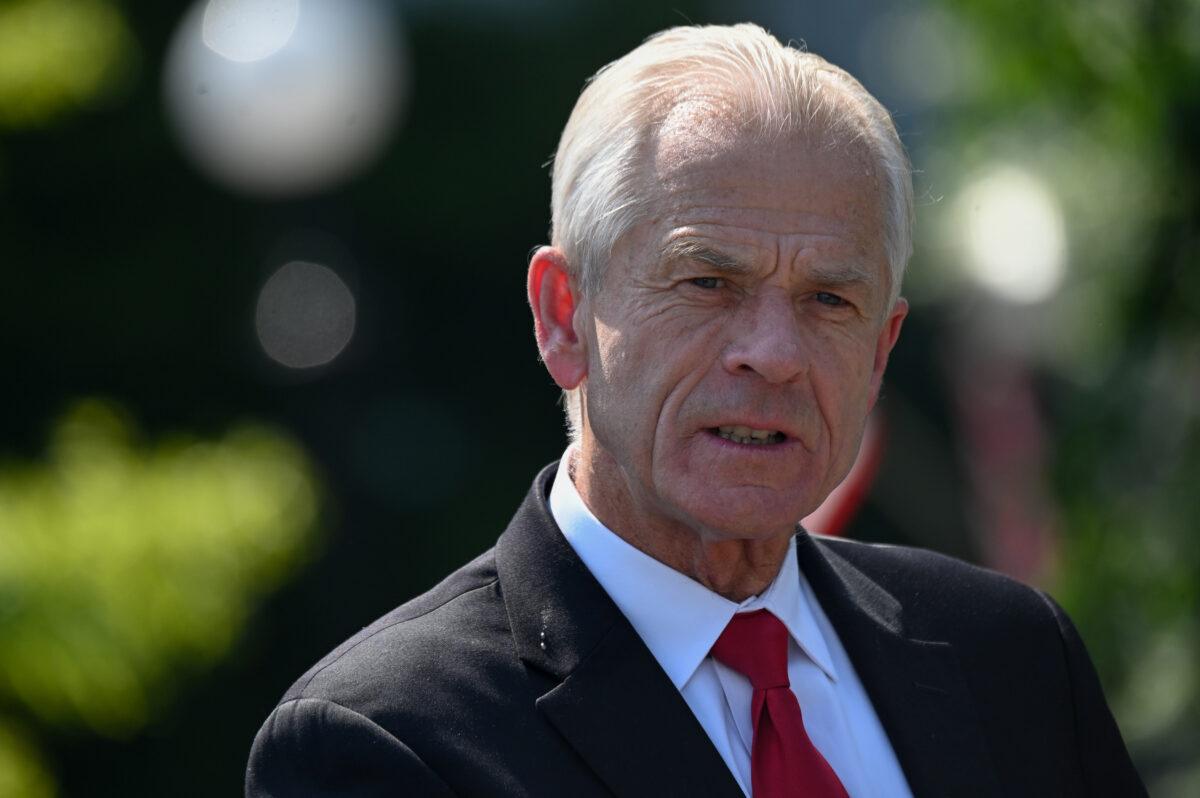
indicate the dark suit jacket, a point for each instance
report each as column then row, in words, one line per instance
column 518, row 676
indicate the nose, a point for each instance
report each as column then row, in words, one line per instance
column 767, row 339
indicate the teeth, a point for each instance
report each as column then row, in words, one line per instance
column 742, row 434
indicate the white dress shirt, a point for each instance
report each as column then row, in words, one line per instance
column 679, row 620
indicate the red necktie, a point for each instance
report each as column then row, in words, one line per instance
column 783, row 761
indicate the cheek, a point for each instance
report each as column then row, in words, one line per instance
column 647, row 366
column 619, row 391
column 849, row 354
column 607, row 345
column 640, row 384
column 616, row 364
column 842, row 381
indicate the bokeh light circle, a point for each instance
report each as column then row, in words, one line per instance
column 305, row 315
column 279, row 98
column 1013, row 235
column 247, row 30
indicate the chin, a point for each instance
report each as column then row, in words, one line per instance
column 748, row 517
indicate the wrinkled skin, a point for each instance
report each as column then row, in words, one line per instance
column 757, row 295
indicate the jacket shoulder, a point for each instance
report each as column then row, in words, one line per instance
column 940, row 593
column 415, row 639
column 1021, row 656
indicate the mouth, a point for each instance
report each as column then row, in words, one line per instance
column 749, row 435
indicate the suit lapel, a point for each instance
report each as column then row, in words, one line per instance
column 916, row 686
column 622, row 714
column 611, row 701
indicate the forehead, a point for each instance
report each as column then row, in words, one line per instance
column 711, row 175
column 697, row 144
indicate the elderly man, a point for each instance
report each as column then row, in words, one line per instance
column 731, row 222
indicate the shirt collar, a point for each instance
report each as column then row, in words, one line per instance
column 678, row 618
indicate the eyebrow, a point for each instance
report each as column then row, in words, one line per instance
column 843, row 274
column 685, row 249
column 838, row 274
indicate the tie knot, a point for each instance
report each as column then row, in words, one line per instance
column 755, row 645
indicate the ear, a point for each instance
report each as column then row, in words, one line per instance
column 888, row 335
column 554, row 301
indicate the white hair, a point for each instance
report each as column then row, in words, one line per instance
column 743, row 74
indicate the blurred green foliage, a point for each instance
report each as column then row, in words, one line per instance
column 57, row 55
column 1102, row 100
column 128, row 566
column 22, row 772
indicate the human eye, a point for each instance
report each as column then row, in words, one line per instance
column 830, row 300
column 707, row 282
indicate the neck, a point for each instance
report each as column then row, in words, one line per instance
column 733, row 567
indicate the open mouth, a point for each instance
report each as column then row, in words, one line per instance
column 749, row 435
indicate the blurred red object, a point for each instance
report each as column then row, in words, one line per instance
column 1004, row 447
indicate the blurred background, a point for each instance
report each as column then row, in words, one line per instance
column 269, row 371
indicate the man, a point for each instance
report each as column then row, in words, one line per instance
column 731, row 222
